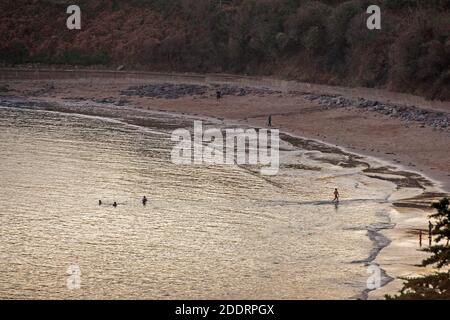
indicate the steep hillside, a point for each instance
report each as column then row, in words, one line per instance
column 317, row 41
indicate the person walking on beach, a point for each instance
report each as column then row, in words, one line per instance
column 269, row 121
column 144, row 201
column 218, row 95
column 336, row 195
column 430, row 233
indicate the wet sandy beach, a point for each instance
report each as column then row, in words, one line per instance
column 404, row 155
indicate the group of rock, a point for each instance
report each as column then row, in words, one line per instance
column 175, row 91
column 436, row 119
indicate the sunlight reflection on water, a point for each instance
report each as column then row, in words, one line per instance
column 207, row 231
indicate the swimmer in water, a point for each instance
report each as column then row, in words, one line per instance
column 115, row 204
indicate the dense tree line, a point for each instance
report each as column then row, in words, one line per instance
column 320, row 41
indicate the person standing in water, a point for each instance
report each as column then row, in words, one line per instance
column 336, row 195
column 115, row 204
column 99, row 202
column 144, row 200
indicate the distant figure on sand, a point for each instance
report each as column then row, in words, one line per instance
column 269, row 121
column 218, row 95
column 144, row 200
column 430, row 233
column 99, row 202
column 336, row 195
column 115, row 204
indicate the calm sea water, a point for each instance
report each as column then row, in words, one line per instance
column 207, row 232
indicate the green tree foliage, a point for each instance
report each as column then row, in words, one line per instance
column 436, row 286
column 308, row 24
column 338, row 25
column 75, row 56
column 411, row 4
column 16, row 53
column 432, row 287
column 420, row 56
column 440, row 253
column 163, row 6
column 442, row 227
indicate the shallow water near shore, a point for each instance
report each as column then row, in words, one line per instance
column 207, row 232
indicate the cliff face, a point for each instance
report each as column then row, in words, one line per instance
column 318, row 41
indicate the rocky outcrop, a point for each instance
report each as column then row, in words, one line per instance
column 436, row 119
column 175, row 91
